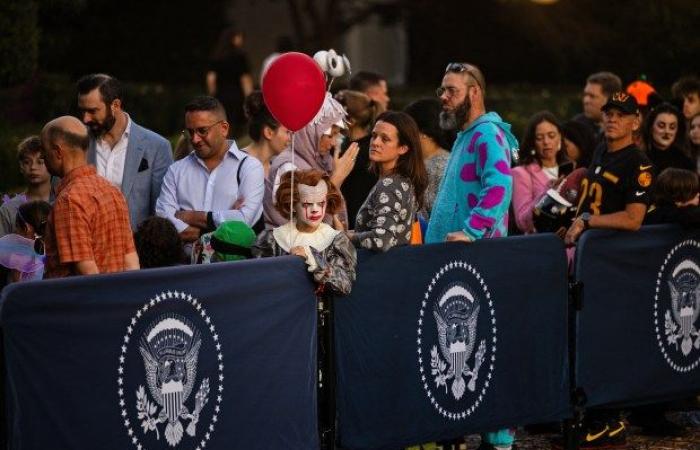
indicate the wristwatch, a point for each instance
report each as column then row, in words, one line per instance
column 585, row 218
column 211, row 226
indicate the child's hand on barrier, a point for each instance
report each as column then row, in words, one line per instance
column 298, row 251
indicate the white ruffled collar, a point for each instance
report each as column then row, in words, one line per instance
column 287, row 236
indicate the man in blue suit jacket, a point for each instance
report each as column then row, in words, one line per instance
column 131, row 157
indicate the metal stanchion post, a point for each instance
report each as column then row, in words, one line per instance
column 326, row 373
column 572, row 427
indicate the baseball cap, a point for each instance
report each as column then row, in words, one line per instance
column 232, row 240
column 622, row 101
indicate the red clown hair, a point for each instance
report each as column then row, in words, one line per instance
column 310, row 178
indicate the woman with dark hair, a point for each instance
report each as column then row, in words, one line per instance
column 663, row 135
column 307, row 198
column 385, row 218
column 540, row 156
column 269, row 137
column 362, row 112
column 578, row 143
column 22, row 252
column 433, row 140
column 158, row 243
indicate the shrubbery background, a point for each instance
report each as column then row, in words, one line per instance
column 161, row 49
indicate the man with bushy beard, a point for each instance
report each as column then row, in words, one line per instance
column 473, row 199
column 475, row 193
column 132, row 158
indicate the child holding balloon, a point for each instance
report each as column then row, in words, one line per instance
column 315, row 147
column 294, row 88
column 328, row 253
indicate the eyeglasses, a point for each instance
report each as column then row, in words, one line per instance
column 450, row 90
column 201, row 131
column 464, row 67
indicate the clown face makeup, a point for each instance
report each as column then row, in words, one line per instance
column 310, row 209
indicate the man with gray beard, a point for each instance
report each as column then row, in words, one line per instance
column 475, row 193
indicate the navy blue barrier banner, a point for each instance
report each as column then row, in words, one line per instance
column 638, row 331
column 437, row 341
column 220, row 356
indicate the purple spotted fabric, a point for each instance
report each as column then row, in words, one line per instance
column 476, row 190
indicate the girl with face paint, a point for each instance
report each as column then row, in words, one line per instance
column 328, row 253
column 315, row 147
column 663, row 133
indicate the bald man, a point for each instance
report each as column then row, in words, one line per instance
column 88, row 229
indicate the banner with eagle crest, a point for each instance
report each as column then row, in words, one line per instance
column 187, row 358
column 437, row 341
column 639, row 333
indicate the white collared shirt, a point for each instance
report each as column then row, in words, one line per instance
column 110, row 161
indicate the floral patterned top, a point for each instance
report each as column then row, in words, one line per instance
column 385, row 218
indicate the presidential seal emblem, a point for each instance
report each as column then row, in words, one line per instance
column 161, row 394
column 456, row 340
column 677, row 307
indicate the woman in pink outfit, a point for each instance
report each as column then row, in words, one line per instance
column 541, row 153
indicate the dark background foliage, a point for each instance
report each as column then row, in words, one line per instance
column 535, row 57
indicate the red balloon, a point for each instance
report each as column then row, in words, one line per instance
column 294, row 88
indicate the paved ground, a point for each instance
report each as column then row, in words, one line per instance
column 635, row 441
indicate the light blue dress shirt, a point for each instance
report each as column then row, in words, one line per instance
column 189, row 186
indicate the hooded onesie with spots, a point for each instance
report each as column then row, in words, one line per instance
column 477, row 186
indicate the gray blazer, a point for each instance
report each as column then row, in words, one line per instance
column 148, row 156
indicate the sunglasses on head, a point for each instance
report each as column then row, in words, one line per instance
column 464, row 67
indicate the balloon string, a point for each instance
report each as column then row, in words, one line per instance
column 291, row 198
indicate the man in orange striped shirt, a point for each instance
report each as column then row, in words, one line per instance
column 89, row 229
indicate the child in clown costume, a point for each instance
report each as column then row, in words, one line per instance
column 329, row 254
